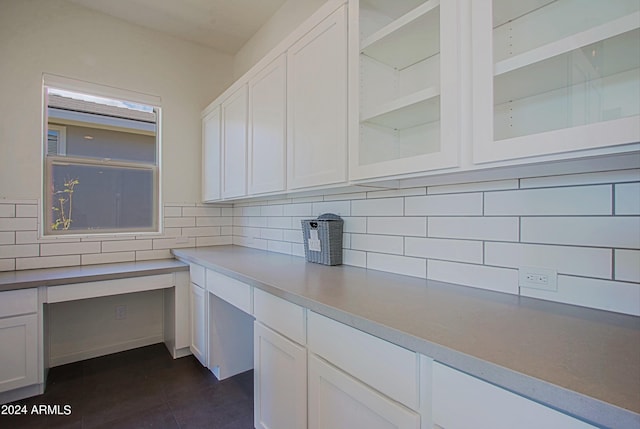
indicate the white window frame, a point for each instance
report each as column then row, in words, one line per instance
column 61, row 148
column 63, row 83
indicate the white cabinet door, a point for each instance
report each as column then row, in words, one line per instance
column 317, row 105
column 19, row 352
column 338, row 401
column 488, row 406
column 280, row 381
column 234, row 144
column 554, row 76
column 198, row 323
column 267, row 129
column 211, row 147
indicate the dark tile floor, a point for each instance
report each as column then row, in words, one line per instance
column 141, row 388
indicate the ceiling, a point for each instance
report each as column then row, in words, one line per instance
column 225, row 25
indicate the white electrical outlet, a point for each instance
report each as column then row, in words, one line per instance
column 538, row 278
column 121, row 312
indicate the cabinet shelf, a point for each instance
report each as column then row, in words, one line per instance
column 601, row 62
column 407, row 40
column 567, row 44
column 406, row 112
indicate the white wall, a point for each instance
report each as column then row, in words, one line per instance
column 290, row 15
column 58, row 37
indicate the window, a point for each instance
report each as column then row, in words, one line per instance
column 101, row 162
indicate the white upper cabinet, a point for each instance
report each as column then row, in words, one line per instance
column 554, row 76
column 317, row 105
column 234, row 144
column 211, row 147
column 267, row 129
column 408, row 88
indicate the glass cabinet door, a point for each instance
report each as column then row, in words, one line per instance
column 553, row 76
column 407, row 87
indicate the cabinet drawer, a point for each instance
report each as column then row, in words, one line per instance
column 22, row 301
column 386, row 367
column 197, row 274
column 233, row 291
column 280, row 315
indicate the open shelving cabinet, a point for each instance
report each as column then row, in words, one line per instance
column 408, row 106
column 554, row 76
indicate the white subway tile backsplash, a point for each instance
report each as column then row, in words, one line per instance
column 444, row 205
column 445, row 249
column 611, row 231
column 292, row 235
column 7, row 264
column 630, row 175
column 26, row 210
column 281, row 222
column 578, row 200
column 7, row 210
column 179, row 222
column 47, row 262
column 580, row 261
column 343, row 197
column 495, row 185
column 378, row 207
column 627, row 199
column 251, row 211
column 340, row 208
column 354, row 258
column 303, row 209
column 19, row 250
column 272, row 210
column 170, row 243
column 213, row 241
column 200, row 211
column 55, row 249
column 107, row 258
column 18, row 224
column 257, row 222
column 415, row 267
column 627, row 265
column 355, row 224
column 397, row 192
column 279, row 247
column 377, row 243
column 147, row 255
column 172, row 211
column 408, row 226
column 271, row 234
column 227, row 211
column 474, row 228
column 214, row 221
column 608, row 295
column 126, row 245
column 8, row 237
column 478, row 276
column 201, row 231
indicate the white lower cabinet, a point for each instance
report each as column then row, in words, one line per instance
column 280, row 381
column 339, row 401
column 461, row 401
column 198, row 310
column 19, row 339
column 19, row 352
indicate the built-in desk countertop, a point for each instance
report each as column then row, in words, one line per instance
column 87, row 273
column 581, row 361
